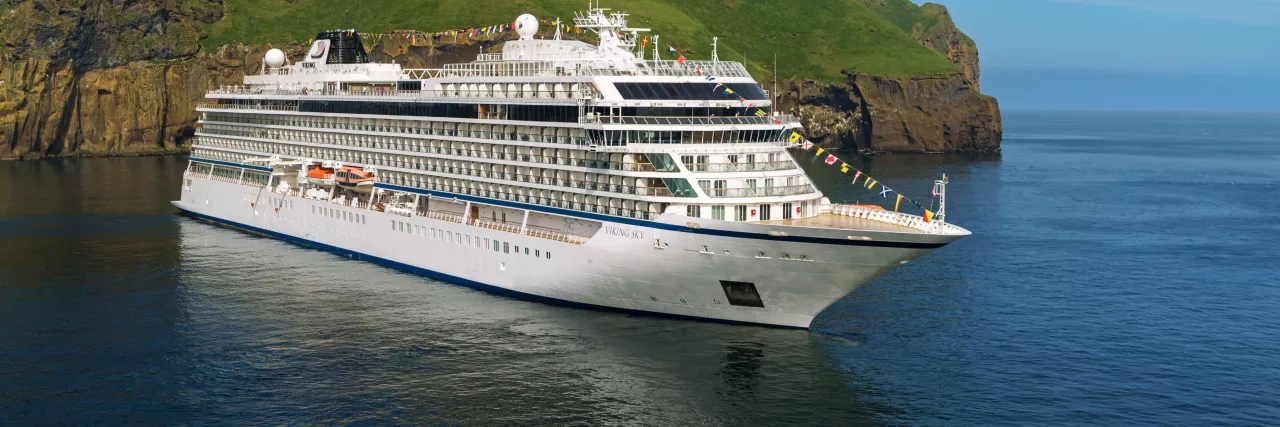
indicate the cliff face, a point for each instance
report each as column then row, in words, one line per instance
column 50, row 109
column 123, row 78
column 880, row 115
column 905, row 114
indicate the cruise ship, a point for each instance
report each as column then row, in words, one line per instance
column 554, row 169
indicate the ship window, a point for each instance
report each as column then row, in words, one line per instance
column 717, row 212
column 506, row 248
column 537, row 253
column 689, row 91
column 740, row 213
column 526, row 250
column 694, row 211
column 548, row 254
column 679, row 187
column 495, row 245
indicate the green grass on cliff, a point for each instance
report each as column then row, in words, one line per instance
column 813, row 39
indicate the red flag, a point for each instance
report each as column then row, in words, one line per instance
column 741, row 100
column 831, row 160
column 855, row 176
column 680, row 59
column 697, row 70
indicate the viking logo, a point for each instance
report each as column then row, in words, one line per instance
column 318, row 49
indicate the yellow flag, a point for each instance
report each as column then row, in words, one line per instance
column 729, row 91
column 899, row 202
column 928, row 216
column 761, row 113
column 818, row 153
column 844, row 167
column 795, row 137
column 870, row 183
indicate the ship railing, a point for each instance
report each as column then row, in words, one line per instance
column 495, row 225
column 741, row 167
column 555, row 235
column 443, row 216
column 791, row 190
column 532, row 231
column 686, row 121
column 460, row 94
column 493, row 66
column 488, row 57
column 267, row 107
column 914, row 222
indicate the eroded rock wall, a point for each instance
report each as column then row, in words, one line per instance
column 49, row 109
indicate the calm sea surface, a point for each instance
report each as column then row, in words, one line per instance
column 1123, row 270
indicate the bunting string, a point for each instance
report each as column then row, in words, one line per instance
column 795, row 139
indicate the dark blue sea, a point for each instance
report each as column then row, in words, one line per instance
column 1122, row 271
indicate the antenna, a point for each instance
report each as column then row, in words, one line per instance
column 656, row 57
column 773, row 96
column 715, row 53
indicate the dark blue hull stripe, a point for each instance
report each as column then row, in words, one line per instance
column 230, row 164
column 659, row 225
column 451, row 278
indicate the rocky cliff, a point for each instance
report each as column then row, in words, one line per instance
column 122, row 78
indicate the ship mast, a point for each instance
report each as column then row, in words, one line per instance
column 940, row 186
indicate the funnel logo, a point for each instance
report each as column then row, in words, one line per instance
column 319, row 48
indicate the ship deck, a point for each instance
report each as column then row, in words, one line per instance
column 842, row 222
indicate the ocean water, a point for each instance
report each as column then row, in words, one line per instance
column 1123, row 270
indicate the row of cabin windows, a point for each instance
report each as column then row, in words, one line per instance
column 338, row 214
column 532, row 113
column 743, row 212
column 679, row 111
column 544, row 134
column 269, row 201
column 464, row 239
column 624, row 137
column 691, row 91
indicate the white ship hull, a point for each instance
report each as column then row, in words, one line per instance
column 619, row 267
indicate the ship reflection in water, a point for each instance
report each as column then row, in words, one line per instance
column 310, row 331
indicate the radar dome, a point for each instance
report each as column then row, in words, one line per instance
column 275, row 58
column 526, row 26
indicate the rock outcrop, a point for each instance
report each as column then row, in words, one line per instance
column 875, row 114
column 50, row 109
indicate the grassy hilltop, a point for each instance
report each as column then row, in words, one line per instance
column 813, row 39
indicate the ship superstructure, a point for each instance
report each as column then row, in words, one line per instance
column 554, row 168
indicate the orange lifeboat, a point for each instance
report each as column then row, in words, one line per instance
column 320, row 173
column 355, row 178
